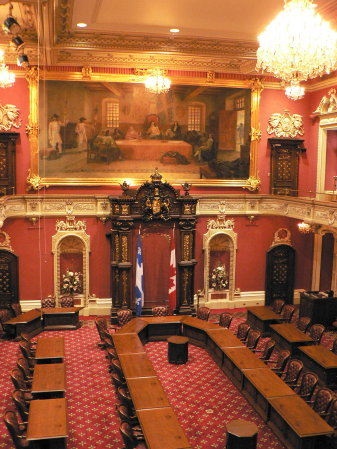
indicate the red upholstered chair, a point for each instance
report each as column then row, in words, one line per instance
column 123, row 316
column 16, row 430
column 322, row 401
column 20, row 404
column 253, row 339
column 292, row 372
column 67, row 301
column 160, row 311
column 24, row 367
column 20, row 384
column 225, row 319
column 316, row 332
column 48, row 303
column 242, row 332
column 203, row 313
column 267, row 351
column 278, row 305
column 129, row 441
column 5, row 315
column 16, row 309
column 27, row 353
column 287, row 313
column 117, row 380
column 280, row 363
column 332, row 420
column 132, row 420
column 116, row 367
column 303, row 323
column 104, row 335
column 306, row 387
column 125, row 398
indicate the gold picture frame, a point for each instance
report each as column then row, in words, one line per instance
column 37, row 177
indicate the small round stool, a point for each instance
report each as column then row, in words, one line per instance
column 241, row 435
column 177, row 350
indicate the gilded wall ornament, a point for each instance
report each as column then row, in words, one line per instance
column 70, row 224
column 255, row 134
column 9, row 117
column 282, row 237
column 328, row 103
column 5, row 241
column 34, row 182
column 285, row 125
column 253, row 184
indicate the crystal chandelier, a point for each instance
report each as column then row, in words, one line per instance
column 157, row 82
column 297, row 45
column 7, row 78
column 294, row 91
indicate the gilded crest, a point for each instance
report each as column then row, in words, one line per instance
column 156, row 206
column 285, row 125
column 9, row 117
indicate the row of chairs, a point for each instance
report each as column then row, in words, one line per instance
column 50, row 302
column 130, row 429
column 16, row 419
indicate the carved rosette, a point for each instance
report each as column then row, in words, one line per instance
column 34, row 182
column 253, row 184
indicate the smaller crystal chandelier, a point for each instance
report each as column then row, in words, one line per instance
column 294, row 91
column 7, row 78
column 297, row 45
column 157, row 82
column 304, row 228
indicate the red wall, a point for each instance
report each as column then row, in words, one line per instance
column 32, row 243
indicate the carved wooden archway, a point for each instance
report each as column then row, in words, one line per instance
column 153, row 202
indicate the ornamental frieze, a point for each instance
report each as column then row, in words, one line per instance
column 285, row 125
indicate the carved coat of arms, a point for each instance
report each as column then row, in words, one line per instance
column 156, row 206
column 285, row 125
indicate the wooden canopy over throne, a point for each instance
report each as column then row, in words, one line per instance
column 155, row 210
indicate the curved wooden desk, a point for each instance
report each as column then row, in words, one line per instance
column 259, row 383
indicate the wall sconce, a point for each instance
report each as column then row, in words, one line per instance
column 23, row 60
column 306, row 228
column 18, row 43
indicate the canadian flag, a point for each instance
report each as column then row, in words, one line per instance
column 173, row 277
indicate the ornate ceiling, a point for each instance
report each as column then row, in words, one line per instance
column 215, row 36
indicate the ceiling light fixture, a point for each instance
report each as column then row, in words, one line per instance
column 18, row 43
column 81, row 25
column 23, row 60
column 174, row 30
column 294, row 91
column 157, row 82
column 7, row 78
column 297, row 45
column 10, row 25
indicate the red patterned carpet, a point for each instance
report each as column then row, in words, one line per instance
column 202, row 396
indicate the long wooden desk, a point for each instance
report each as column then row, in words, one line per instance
column 322, row 362
column 49, row 350
column 236, row 361
column 287, row 336
column 218, row 339
column 295, row 423
column 260, row 317
column 162, row 327
column 49, row 380
column 61, row 318
column 147, row 392
column 261, row 384
column 136, row 365
column 196, row 330
column 48, row 421
column 137, row 325
column 29, row 323
column 162, row 429
column 127, row 343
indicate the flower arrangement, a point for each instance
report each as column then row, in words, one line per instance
column 219, row 278
column 71, row 282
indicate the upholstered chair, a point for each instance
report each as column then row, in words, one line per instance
column 16, row 309
column 306, row 387
column 322, row 401
column 130, row 442
column 20, row 384
column 5, row 315
column 225, row 319
column 160, row 311
column 280, row 363
column 67, row 301
column 48, row 303
column 20, row 404
column 203, row 313
column 293, row 371
column 123, row 316
column 253, row 339
column 267, row 351
column 278, row 305
column 287, row 313
column 316, row 332
column 16, row 430
column 303, row 323
column 242, row 332
column 27, row 372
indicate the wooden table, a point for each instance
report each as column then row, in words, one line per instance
column 136, row 325
column 147, row 392
column 295, row 423
column 50, row 350
column 238, row 359
column 196, row 330
column 162, row 327
column 260, row 317
column 287, row 336
column 48, row 421
column 162, row 429
column 217, row 340
column 136, row 365
column 321, row 361
column 29, row 323
column 61, row 318
column 127, row 343
column 261, row 384
column 49, row 380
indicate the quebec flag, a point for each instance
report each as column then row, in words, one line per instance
column 139, row 278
